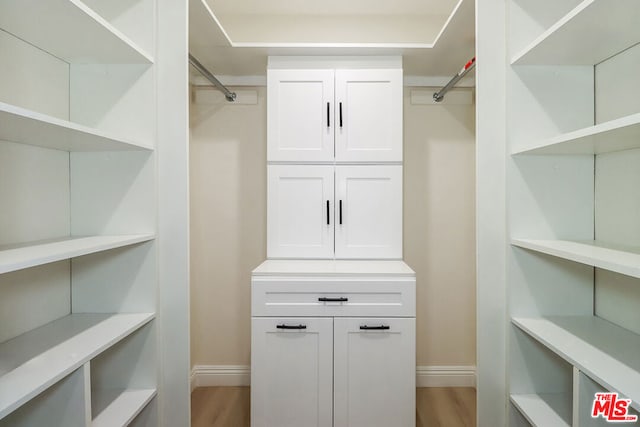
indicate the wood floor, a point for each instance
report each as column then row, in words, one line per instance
column 435, row 407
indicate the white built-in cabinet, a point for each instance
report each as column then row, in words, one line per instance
column 80, row 341
column 328, row 371
column 350, row 115
column 333, row 306
column 333, row 344
column 334, row 152
column 573, row 155
column 343, row 211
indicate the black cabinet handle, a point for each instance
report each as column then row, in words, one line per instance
column 341, row 114
column 326, row 299
column 374, row 328
column 283, row 326
column 328, row 122
column 327, row 212
column 340, row 203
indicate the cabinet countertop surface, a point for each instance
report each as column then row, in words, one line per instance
column 332, row 268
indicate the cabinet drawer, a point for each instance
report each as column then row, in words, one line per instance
column 308, row 297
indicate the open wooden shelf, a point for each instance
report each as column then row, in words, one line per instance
column 117, row 408
column 33, row 361
column 44, row 252
column 615, row 135
column 602, row 350
column 29, row 127
column 587, row 35
column 544, row 410
column 616, row 258
column 71, row 31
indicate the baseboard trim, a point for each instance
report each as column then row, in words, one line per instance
column 240, row 375
column 220, row 375
column 445, row 376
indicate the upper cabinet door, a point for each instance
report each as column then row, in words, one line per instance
column 368, row 212
column 368, row 115
column 300, row 115
column 300, row 211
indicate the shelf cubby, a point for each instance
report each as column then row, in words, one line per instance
column 36, row 360
column 586, row 390
column 123, row 379
column 121, row 407
column 604, row 351
column 541, row 382
column 62, row 404
column 13, row 258
column 589, row 34
column 148, row 417
column 617, row 258
column 543, row 409
column 21, row 125
column 71, row 31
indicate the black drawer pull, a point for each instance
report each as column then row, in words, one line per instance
column 375, row 328
column 327, row 212
column 326, row 299
column 340, row 212
column 341, row 114
column 283, row 326
column 328, row 122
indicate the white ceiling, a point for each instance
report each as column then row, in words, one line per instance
column 331, row 7
column 234, row 37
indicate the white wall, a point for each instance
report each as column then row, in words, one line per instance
column 617, row 201
column 228, row 227
column 34, row 189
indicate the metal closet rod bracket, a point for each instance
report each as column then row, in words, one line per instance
column 230, row 96
column 439, row 95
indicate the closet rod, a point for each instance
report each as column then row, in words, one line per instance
column 439, row 95
column 230, row 96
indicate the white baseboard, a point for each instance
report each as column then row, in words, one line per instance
column 240, row 375
column 220, row 375
column 445, row 376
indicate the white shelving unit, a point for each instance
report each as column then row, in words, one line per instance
column 83, row 277
column 571, row 265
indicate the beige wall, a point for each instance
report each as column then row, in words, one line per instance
column 439, row 229
column 228, row 220
column 228, row 226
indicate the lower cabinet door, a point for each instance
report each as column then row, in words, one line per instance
column 291, row 372
column 374, row 372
